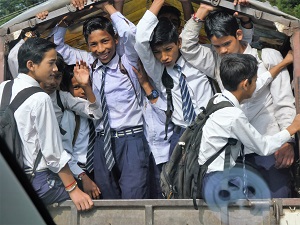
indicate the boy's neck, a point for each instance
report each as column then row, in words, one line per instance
column 238, row 95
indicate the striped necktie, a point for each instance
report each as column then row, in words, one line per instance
column 90, row 153
column 189, row 114
column 110, row 161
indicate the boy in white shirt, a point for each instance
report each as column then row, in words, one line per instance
column 158, row 44
column 238, row 73
column 80, row 131
column 38, row 128
column 270, row 109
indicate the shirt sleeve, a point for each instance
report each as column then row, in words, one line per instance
column 160, row 108
column 253, row 140
column 281, row 91
column 13, row 59
column 199, row 56
column 68, row 124
column 70, row 54
column 49, row 139
column 126, row 32
column 81, row 106
column 144, row 34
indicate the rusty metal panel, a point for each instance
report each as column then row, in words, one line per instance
column 163, row 212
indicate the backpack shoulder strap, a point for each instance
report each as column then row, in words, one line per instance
column 22, row 96
column 124, row 71
column 211, row 107
column 6, row 95
column 77, row 126
column 168, row 82
column 59, row 102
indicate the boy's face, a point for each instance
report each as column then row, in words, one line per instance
column 102, row 45
column 228, row 44
column 76, row 90
column 167, row 54
column 45, row 71
column 52, row 83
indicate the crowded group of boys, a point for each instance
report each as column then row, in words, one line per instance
column 109, row 119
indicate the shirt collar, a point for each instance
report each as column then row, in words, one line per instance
column 232, row 98
column 113, row 64
column 248, row 49
column 180, row 62
column 28, row 79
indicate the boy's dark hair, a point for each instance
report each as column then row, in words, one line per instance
column 60, row 63
column 97, row 23
column 66, row 81
column 168, row 9
column 235, row 68
column 220, row 24
column 164, row 33
column 33, row 49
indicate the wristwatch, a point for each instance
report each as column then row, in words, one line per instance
column 154, row 94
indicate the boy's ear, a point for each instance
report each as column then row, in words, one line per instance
column 30, row 65
column 239, row 34
column 116, row 37
column 245, row 84
column 179, row 42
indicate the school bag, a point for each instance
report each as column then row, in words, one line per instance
column 181, row 177
column 8, row 127
column 168, row 83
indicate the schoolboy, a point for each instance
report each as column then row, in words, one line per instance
column 271, row 107
column 124, row 175
column 238, row 73
column 80, row 133
column 36, row 59
column 157, row 44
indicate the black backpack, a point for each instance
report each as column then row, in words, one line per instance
column 181, row 177
column 8, row 127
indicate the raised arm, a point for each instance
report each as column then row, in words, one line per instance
column 82, row 75
column 145, row 28
column 158, row 105
column 71, row 55
column 126, row 31
column 187, row 9
column 200, row 56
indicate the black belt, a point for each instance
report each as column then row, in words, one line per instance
column 122, row 133
column 177, row 129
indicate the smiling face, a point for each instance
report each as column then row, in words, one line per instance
column 102, row 45
column 76, row 90
column 167, row 54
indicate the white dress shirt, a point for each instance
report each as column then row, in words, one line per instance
column 38, row 128
column 154, row 129
column 79, row 150
column 123, row 104
column 198, row 84
column 231, row 122
column 271, row 107
column 12, row 59
column 81, row 106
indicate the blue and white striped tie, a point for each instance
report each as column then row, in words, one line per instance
column 90, row 152
column 110, row 161
column 189, row 114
